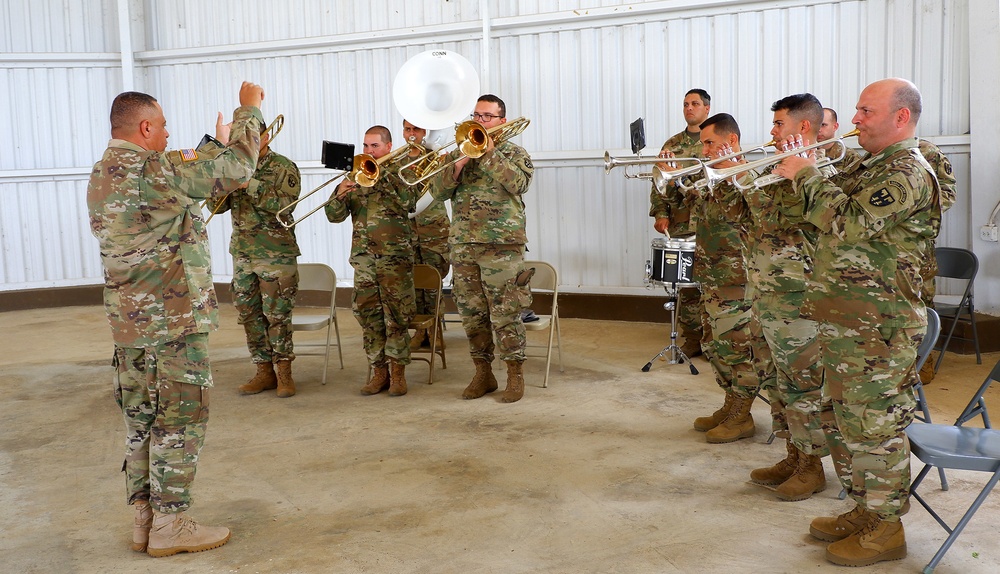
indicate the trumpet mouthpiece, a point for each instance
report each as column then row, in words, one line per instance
column 851, row 133
column 769, row 144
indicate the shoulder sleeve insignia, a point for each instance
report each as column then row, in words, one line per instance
column 947, row 166
column 189, row 154
column 527, row 163
column 881, row 198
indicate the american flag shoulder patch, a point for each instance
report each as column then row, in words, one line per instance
column 189, row 155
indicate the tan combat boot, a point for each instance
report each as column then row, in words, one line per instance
column 834, row 528
column 141, row 526
column 738, row 424
column 780, row 471
column 418, row 339
column 807, row 480
column 286, row 386
column 877, row 541
column 515, row 383
column 927, row 371
column 379, row 382
column 705, row 424
column 482, row 382
column 264, row 380
column 174, row 533
column 397, row 378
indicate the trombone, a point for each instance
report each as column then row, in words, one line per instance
column 272, row 131
column 471, row 140
column 714, row 176
column 365, row 171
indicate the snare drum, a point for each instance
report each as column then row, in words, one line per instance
column 671, row 263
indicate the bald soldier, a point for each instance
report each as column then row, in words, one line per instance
column 144, row 207
column 874, row 222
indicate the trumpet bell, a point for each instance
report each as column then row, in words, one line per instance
column 435, row 89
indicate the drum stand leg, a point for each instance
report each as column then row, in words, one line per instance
column 677, row 356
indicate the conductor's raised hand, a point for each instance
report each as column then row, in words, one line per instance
column 222, row 130
column 251, row 94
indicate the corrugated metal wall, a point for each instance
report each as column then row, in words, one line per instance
column 581, row 71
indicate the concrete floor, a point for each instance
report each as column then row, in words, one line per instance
column 600, row 472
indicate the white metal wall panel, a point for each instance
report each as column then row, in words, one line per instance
column 581, row 71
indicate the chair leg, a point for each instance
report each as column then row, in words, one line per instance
column 944, row 347
column 340, row 351
column 953, row 534
column 975, row 334
column 326, row 359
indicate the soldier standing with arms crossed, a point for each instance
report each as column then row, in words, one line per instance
column 488, row 236
column 143, row 204
column 265, row 272
column 865, row 293
column 382, row 258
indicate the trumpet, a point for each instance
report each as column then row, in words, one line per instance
column 471, row 140
column 365, row 171
column 272, row 131
column 714, row 176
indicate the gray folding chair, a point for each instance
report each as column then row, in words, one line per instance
column 958, row 447
column 429, row 278
column 957, row 263
column 923, row 353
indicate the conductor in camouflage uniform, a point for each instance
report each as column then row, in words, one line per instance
column 718, row 247
column 875, row 222
column 265, row 272
column 488, row 236
column 432, row 225
column 382, row 245
column 671, row 211
column 143, row 203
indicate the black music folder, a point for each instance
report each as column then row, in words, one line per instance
column 637, row 130
column 338, row 156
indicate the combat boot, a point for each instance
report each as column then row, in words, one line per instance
column 737, row 424
column 927, row 371
column 780, row 471
column 397, row 378
column 418, row 339
column 704, row 424
column 174, row 533
column 286, row 386
column 515, row 383
column 807, row 480
column 264, row 380
column 482, row 382
column 141, row 526
column 877, row 541
column 834, row 528
column 691, row 347
column 379, row 382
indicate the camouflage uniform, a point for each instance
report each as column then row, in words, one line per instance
column 487, row 239
column 382, row 257
column 851, row 155
column 432, row 225
column 265, row 273
column 726, row 322
column 865, row 294
column 158, row 295
column 676, row 207
column 779, row 259
column 942, row 169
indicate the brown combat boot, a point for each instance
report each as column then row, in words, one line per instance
column 704, row 424
column 691, row 347
column 877, row 541
column 379, row 382
column 264, row 380
column 780, row 471
column 397, row 378
column 418, row 339
column 174, row 533
column 286, row 386
column 738, row 424
column 515, row 383
column 482, row 382
column 807, row 480
column 927, row 371
column 141, row 526
column 834, row 528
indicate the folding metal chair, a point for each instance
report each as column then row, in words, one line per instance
column 546, row 280
column 958, row 447
column 957, row 263
column 318, row 277
column 427, row 277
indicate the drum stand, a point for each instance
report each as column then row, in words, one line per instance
column 677, row 356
